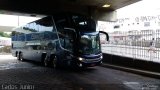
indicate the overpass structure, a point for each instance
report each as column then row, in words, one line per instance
column 99, row 9
column 103, row 10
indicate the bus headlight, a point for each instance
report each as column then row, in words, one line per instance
column 101, row 57
column 80, row 59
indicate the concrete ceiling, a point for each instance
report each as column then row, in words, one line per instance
column 46, row 7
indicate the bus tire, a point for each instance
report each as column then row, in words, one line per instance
column 45, row 61
column 54, row 62
column 18, row 56
column 21, row 57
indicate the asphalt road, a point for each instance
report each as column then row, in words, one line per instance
column 16, row 75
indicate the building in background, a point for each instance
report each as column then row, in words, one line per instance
column 137, row 26
column 4, row 41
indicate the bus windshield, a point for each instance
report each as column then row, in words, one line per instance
column 89, row 44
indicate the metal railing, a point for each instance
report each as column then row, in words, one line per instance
column 142, row 45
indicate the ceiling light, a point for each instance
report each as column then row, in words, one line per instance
column 106, row 5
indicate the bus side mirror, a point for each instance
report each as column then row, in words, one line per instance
column 107, row 36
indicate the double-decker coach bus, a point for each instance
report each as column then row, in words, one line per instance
column 58, row 40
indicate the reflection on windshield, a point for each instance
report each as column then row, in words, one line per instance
column 89, row 44
column 84, row 23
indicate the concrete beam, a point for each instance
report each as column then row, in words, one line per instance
column 105, row 15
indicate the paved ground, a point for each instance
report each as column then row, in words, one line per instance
column 15, row 75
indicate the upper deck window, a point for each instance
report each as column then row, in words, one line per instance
column 83, row 23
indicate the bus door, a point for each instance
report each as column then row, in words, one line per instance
column 66, row 44
column 66, row 37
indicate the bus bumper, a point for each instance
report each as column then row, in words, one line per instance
column 90, row 63
column 82, row 64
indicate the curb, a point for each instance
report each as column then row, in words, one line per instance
column 132, row 70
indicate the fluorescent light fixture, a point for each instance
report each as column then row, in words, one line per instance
column 106, row 5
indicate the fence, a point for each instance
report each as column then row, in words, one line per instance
column 143, row 45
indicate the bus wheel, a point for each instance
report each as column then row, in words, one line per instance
column 18, row 56
column 21, row 57
column 54, row 62
column 45, row 61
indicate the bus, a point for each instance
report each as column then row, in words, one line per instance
column 58, row 40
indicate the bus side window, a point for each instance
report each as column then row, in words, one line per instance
column 68, row 44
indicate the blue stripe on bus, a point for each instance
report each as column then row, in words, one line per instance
column 35, row 36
